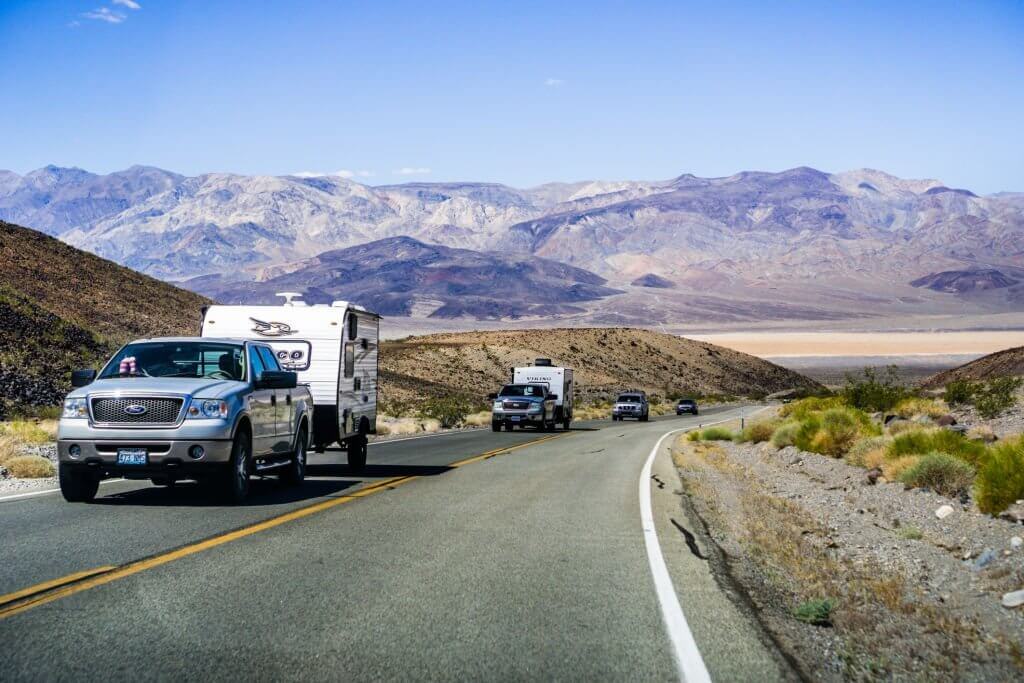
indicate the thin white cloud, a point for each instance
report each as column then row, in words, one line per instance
column 554, row 82
column 105, row 14
column 343, row 173
column 130, row 4
column 411, row 170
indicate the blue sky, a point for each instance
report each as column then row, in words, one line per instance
column 522, row 93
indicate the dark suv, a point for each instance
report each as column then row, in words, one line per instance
column 686, row 405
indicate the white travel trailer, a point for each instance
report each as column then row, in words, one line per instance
column 559, row 381
column 332, row 348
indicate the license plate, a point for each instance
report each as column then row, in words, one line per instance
column 515, row 418
column 131, row 456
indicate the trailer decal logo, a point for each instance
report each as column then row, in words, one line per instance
column 271, row 329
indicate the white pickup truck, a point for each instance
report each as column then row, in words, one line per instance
column 176, row 408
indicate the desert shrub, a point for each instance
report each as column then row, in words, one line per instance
column 872, row 392
column 941, row 472
column 858, row 453
column 29, row 467
column 982, row 432
column 1000, row 478
column 998, row 396
column 924, row 441
column 903, row 426
column 913, row 406
column 911, row 533
column 817, row 612
column 716, row 434
column 960, row 391
column 785, row 434
column 834, row 431
column 480, row 418
column 396, row 408
column 805, row 407
column 693, row 436
column 758, row 432
column 449, row 410
column 9, row 448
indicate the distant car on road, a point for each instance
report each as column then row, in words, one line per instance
column 631, row 404
column 686, row 405
column 184, row 408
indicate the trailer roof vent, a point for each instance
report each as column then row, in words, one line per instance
column 291, row 298
column 542, row 362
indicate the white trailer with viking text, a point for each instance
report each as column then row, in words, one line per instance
column 333, row 348
column 558, row 380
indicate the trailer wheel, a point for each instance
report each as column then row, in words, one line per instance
column 357, row 452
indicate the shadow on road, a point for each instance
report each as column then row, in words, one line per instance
column 262, row 492
column 374, row 471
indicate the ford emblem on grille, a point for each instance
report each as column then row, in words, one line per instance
column 135, row 409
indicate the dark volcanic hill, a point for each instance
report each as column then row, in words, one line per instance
column 1005, row 363
column 963, row 281
column 62, row 308
column 398, row 275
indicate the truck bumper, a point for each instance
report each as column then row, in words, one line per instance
column 531, row 419
column 163, row 458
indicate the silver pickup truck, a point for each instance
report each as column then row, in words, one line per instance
column 165, row 409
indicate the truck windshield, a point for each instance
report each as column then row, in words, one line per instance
column 178, row 359
column 522, row 390
column 629, row 398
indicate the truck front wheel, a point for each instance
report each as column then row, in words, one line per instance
column 236, row 479
column 495, row 426
column 295, row 472
column 77, row 486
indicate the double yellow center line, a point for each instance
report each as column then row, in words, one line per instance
column 42, row 593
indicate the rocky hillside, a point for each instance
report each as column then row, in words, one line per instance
column 1006, row 363
column 798, row 244
column 401, row 276
column 606, row 360
column 963, row 281
column 62, row 308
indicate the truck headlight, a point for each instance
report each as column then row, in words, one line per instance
column 536, row 408
column 496, row 406
column 74, row 408
column 208, row 408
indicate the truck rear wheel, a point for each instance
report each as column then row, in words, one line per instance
column 357, row 452
column 77, row 486
column 566, row 422
column 495, row 426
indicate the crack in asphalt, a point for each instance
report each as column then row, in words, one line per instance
column 691, row 540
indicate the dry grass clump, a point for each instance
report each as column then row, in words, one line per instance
column 924, row 441
column 785, row 434
column 714, row 434
column 9, row 448
column 478, row 419
column 902, row 426
column 982, row 432
column 869, row 448
column 915, row 406
column 29, row 467
column 758, row 432
column 405, row 426
column 597, row 411
column 29, row 432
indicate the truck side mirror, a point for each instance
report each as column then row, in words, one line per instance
column 82, row 378
column 273, row 379
column 492, row 396
column 553, row 397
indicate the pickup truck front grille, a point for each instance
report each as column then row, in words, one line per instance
column 136, row 411
column 516, row 405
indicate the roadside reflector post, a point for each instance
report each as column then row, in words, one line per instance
column 742, row 422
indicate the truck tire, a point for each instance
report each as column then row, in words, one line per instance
column 495, row 426
column 357, row 452
column 235, row 486
column 295, row 473
column 566, row 422
column 77, row 486
column 509, row 426
column 644, row 417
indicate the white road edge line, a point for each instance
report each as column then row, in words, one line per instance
column 40, row 492
column 684, row 648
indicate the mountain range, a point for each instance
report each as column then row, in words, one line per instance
column 798, row 244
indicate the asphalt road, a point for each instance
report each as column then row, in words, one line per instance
column 437, row 563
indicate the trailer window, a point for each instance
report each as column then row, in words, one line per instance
column 353, row 325
column 350, row 359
